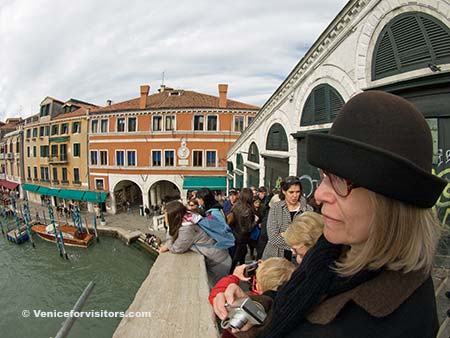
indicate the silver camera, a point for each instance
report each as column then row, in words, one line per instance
column 243, row 311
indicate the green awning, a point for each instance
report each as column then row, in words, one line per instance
column 71, row 194
column 43, row 190
column 51, row 192
column 96, row 197
column 198, row 182
column 30, row 187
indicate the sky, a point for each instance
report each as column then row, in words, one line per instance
column 99, row 50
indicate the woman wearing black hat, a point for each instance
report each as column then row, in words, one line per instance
column 369, row 275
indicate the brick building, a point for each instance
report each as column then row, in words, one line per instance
column 162, row 145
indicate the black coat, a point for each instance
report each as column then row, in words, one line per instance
column 395, row 305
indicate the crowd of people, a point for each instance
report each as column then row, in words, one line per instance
column 356, row 259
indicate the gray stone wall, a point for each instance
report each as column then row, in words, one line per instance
column 176, row 294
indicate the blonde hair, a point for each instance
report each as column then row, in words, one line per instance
column 402, row 237
column 305, row 229
column 273, row 272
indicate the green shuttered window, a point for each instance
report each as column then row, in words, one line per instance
column 321, row 106
column 253, row 153
column 277, row 139
column 410, row 41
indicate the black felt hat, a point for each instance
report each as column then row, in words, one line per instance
column 381, row 142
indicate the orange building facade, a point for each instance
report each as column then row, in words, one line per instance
column 152, row 148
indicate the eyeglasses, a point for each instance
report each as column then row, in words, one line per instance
column 341, row 186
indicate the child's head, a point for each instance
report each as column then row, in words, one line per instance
column 256, row 203
column 175, row 211
column 192, row 204
column 303, row 233
column 273, row 272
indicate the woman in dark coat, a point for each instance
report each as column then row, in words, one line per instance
column 369, row 275
column 242, row 220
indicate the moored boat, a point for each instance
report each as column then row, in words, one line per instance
column 71, row 235
column 17, row 236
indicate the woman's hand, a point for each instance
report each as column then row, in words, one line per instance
column 231, row 293
column 239, row 273
column 163, row 248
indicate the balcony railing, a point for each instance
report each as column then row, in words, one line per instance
column 58, row 159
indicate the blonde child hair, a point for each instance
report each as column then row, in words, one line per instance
column 305, row 229
column 273, row 272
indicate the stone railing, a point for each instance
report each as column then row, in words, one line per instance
column 176, row 294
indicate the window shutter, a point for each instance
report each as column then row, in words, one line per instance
column 321, row 106
column 386, row 61
column 410, row 41
column 253, row 153
column 336, row 104
column 320, row 110
column 277, row 139
column 308, row 112
column 438, row 36
column 239, row 162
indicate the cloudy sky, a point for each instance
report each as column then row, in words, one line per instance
column 98, row 50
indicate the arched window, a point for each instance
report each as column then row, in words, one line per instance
column 277, row 139
column 410, row 41
column 253, row 153
column 321, row 106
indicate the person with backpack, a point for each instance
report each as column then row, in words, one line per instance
column 208, row 206
column 186, row 234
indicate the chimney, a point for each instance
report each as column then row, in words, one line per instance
column 144, row 94
column 223, row 88
column 108, row 102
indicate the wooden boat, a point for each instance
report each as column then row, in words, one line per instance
column 17, row 236
column 71, row 235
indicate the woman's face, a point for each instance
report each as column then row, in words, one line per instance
column 200, row 201
column 292, row 195
column 347, row 219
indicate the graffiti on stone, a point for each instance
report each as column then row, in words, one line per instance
column 309, row 185
column 443, row 203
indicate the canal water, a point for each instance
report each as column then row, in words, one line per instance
column 39, row 279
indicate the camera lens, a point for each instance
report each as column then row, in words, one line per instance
column 238, row 320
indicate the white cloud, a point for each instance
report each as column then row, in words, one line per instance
column 99, row 50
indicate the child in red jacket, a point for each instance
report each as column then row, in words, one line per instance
column 270, row 274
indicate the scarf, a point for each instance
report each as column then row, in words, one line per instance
column 313, row 281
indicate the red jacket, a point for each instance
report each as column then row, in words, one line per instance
column 221, row 286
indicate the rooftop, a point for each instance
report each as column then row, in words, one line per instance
column 175, row 99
